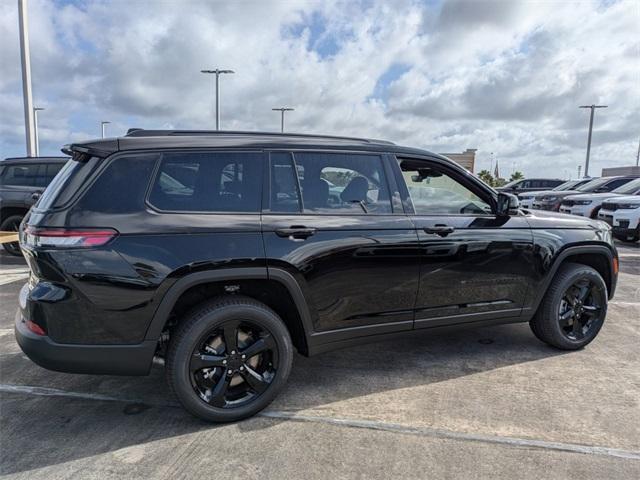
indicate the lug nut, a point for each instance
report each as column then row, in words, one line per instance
column 241, row 369
column 224, row 362
column 233, row 352
column 244, row 356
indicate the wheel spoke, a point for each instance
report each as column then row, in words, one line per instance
column 217, row 398
column 259, row 346
column 591, row 308
column 577, row 327
column 256, row 381
column 231, row 337
column 199, row 361
column 565, row 317
column 585, row 292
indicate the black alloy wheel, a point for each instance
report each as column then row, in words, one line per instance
column 233, row 363
column 580, row 309
column 228, row 358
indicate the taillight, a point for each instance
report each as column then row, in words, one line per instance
column 35, row 328
column 66, row 238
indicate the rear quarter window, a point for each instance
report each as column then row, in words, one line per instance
column 120, row 187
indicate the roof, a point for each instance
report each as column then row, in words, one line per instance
column 139, row 139
column 35, row 160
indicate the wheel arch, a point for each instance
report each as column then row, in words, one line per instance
column 276, row 288
column 600, row 257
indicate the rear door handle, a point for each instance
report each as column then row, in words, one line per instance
column 442, row 230
column 296, row 233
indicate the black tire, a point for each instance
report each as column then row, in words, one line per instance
column 628, row 238
column 571, row 325
column 203, row 331
column 11, row 224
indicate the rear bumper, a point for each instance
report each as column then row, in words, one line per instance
column 93, row 359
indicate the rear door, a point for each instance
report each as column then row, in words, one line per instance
column 474, row 265
column 334, row 221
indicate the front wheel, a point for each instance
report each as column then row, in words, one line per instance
column 573, row 310
column 229, row 358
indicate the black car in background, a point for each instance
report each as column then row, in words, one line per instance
column 530, row 185
column 22, row 181
column 222, row 252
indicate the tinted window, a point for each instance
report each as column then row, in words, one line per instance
column 208, row 182
column 616, row 183
column 121, row 186
column 433, row 192
column 284, row 187
column 23, row 175
column 342, row 183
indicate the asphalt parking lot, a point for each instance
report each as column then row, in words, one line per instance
column 487, row 403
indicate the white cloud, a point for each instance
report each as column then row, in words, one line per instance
column 503, row 77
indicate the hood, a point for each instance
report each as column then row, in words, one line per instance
column 552, row 220
column 559, row 193
column 635, row 199
column 592, row 196
column 537, row 193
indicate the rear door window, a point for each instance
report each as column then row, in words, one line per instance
column 342, row 183
column 208, row 182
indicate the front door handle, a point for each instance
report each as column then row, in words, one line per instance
column 296, row 233
column 442, row 230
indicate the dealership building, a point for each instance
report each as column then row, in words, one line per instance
column 466, row 159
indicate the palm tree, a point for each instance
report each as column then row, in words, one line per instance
column 517, row 175
column 486, row 177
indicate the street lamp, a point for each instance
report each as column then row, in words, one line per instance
column 593, row 108
column 282, row 110
column 217, row 73
column 102, row 125
column 35, row 129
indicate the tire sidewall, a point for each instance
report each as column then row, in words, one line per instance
column 4, row 227
column 180, row 353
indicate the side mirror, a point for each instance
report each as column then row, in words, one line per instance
column 507, row 204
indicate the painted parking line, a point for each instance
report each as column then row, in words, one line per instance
column 11, row 275
column 353, row 423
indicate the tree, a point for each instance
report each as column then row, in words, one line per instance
column 486, row 177
column 516, row 176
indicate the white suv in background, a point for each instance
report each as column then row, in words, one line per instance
column 527, row 198
column 623, row 214
column 588, row 204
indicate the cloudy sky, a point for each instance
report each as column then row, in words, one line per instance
column 500, row 76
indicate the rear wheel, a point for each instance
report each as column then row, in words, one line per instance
column 573, row 310
column 229, row 358
column 12, row 224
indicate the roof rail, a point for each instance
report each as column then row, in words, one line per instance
column 140, row 132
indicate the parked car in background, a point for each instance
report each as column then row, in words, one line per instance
column 552, row 201
column 527, row 199
column 222, row 252
column 22, row 181
column 623, row 214
column 588, row 204
column 530, row 185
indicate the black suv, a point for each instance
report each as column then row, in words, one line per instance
column 22, row 181
column 219, row 253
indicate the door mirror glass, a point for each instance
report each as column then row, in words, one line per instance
column 507, row 204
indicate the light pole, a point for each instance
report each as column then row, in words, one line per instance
column 638, row 155
column 282, row 110
column 217, row 73
column 593, row 108
column 102, row 125
column 26, row 77
column 35, row 130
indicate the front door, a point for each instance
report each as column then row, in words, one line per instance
column 474, row 265
column 330, row 222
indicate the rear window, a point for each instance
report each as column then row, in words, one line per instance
column 65, row 184
column 208, row 182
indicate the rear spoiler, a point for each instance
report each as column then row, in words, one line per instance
column 81, row 152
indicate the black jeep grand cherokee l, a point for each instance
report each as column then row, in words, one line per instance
column 221, row 252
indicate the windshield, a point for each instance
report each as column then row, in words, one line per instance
column 628, row 188
column 567, row 185
column 593, row 184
